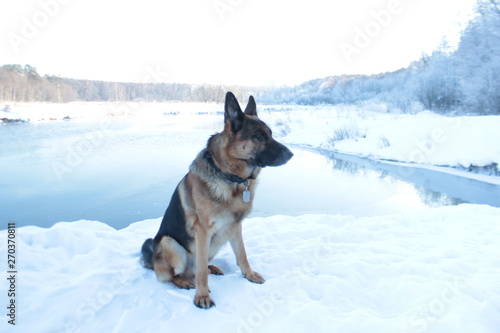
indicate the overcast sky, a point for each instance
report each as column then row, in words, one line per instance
column 224, row 41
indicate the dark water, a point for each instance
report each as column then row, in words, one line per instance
column 435, row 187
column 121, row 172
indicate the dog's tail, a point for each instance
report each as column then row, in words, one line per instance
column 147, row 253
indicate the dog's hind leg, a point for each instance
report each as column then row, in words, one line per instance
column 215, row 270
column 169, row 263
column 183, row 282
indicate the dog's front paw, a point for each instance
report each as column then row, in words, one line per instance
column 203, row 302
column 254, row 277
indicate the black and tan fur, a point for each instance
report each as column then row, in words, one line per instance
column 207, row 207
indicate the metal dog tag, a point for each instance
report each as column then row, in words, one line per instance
column 246, row 196
column 246, row 193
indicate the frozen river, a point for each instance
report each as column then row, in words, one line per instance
column 123, row 171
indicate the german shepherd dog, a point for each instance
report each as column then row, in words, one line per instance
column 210, row 202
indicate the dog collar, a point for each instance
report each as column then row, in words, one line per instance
column 227, row 176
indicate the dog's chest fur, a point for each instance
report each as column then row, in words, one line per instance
column 219, row 200
column 224, row 222
column 223, row 228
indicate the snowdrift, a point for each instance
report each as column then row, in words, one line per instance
column 435, row 270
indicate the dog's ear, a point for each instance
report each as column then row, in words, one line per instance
column 233, row 113
column 251, row 109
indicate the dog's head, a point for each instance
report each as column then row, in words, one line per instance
column 250, row 139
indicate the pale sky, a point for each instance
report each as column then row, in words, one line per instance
column 247, row 42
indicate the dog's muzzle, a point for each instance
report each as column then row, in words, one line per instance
column 274, row 155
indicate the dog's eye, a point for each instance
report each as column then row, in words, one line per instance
column 259, row 136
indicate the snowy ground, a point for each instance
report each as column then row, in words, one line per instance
column 432, row 271
column 381, row 260
column 425, row 138
column 36, row 112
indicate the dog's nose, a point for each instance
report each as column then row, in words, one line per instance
column 288, row 155
column 284, row 156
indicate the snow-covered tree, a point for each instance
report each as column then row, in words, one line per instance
column 478, row 57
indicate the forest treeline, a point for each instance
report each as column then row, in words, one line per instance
column 465, row 80
column 24, row 84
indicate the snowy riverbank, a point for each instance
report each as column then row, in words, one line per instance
column 425, row 138
column 429, row 271
column 463, row 142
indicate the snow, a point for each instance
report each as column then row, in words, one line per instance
column 425, row 138
column 38, row 111
column 434, row 270
column 356, row 251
